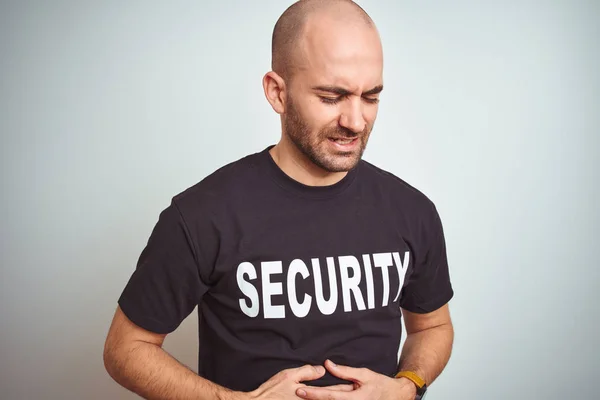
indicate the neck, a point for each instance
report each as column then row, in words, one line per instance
column 298, row 167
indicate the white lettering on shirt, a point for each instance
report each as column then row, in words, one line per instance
column 248, row 289
column 271, row 288
column 350, row 283
column 300, row 310
column 276, row 280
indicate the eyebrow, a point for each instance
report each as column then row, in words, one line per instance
column 343, row 92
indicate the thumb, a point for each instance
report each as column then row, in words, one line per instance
column 347, row 373
column 307, row 373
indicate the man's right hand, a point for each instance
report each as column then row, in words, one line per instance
column 283, row 385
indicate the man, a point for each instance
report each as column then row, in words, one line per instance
column 301, row 258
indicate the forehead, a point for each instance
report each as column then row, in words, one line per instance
column 340, row 53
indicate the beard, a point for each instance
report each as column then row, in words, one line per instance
column 316, row 146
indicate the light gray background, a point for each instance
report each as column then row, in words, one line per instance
column 107, row 109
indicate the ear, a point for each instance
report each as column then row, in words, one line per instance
column 274, row 87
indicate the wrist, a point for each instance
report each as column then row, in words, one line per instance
column 232, row 395
column 406, row 388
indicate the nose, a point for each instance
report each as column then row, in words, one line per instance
column 352, row 116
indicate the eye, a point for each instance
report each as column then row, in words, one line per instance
column 371, row 100
column 330, row 100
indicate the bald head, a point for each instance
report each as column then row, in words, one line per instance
column 291, row 28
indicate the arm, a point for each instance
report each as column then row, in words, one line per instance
column 428, row 344
column 134, row 358
column 425, row 352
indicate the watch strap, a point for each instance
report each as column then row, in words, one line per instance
column 416, row 379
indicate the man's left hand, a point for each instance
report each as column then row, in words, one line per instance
column 368, row 385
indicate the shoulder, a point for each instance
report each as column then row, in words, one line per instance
column 231, row 180
column 397, row 189
column 405, row 202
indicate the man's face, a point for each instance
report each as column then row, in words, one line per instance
column 332, row 99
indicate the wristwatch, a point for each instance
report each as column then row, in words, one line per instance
column 417, row 380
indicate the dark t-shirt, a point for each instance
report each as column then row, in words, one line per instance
column 285, row 274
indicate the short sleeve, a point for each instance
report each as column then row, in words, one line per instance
column 428, row 287
column 166, row 285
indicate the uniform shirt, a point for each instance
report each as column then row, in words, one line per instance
column 285, row 274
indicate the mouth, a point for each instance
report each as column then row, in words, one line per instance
column 343, row 141
column 344, row 144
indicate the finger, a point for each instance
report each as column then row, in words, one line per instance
column 323, row 393
column 357, row 375
column 306, row 373
column 341, row 388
